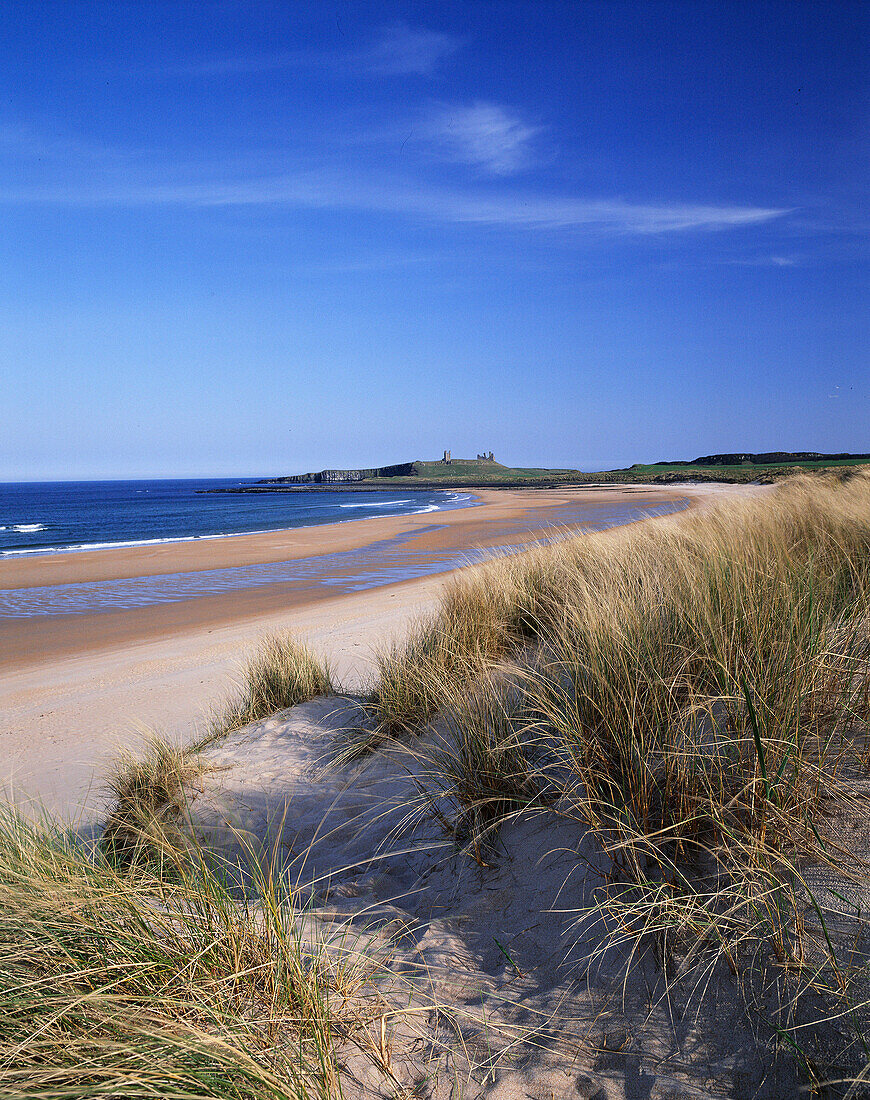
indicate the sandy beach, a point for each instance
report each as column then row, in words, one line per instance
column 75, row 689
column 506, row 935
column 501, row 518
column 502, row 515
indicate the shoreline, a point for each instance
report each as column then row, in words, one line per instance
column 78, row 689
column 500, row 518
column 505, row 506
column 38, row 555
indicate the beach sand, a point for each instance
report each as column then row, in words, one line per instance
column 490, row 982
column 508, row 948
column 76, row 689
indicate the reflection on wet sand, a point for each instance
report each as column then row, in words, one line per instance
column 386, row 561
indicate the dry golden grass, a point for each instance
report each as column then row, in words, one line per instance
column 148, row 789
column 723, row 641
column 280, row 674
column 692, row 691
column 135, row 985
column 148, row 795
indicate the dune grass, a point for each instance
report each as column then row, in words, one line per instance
column 695, row 692
column 148, row 798
column 484, row 615
column 148, row 789
column 281, row 673
column 135, row 985
column 747, row 627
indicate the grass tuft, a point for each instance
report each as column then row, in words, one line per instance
column 129, row 985
column 148, row 789
column 489, row 764
column 148, row 800
column 695, row 693
column 280, row 674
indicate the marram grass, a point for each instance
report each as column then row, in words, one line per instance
column 148, row 789
column 148, row 800
column 281, row 673
column 695, row 691
column 129, row 985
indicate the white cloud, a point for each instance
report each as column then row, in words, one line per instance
column 318, row 190
column 485, row 135
column 765, row 261
column 396, row 51
column 86, row 175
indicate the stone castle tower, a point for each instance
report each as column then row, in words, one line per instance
column 487, row 456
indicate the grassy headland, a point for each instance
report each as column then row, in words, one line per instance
column 484, row 473
column 493, row 475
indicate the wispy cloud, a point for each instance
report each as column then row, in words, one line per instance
column 74, row 173
column 401, row 49
column 320, row 190
column 396, row 50
column 765, row 261
column 485, row 135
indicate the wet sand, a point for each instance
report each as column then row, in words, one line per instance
column 499, row 513
column 502, row 518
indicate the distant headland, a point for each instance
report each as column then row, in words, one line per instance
column 484, row 471
column 483, row 464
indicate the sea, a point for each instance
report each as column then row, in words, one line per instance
column 63, row 516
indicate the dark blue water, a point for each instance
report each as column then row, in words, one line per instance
column 51, row 517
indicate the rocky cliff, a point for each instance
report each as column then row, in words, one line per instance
column 402, row 469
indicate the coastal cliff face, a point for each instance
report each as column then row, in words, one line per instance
column 403, row 469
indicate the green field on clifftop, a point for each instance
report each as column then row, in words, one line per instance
column 482, row 469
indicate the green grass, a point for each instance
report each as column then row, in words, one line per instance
column 457, row 468
column 748, row 467
column 474, row 475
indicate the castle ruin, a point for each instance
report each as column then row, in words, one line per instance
column 447, row 460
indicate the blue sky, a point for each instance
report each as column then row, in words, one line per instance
column 255, row 238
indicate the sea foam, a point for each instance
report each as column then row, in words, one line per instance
column 382, row 504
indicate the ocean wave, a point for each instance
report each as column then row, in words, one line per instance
column 447, row 499
column 383, row 504
column 132, row 542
